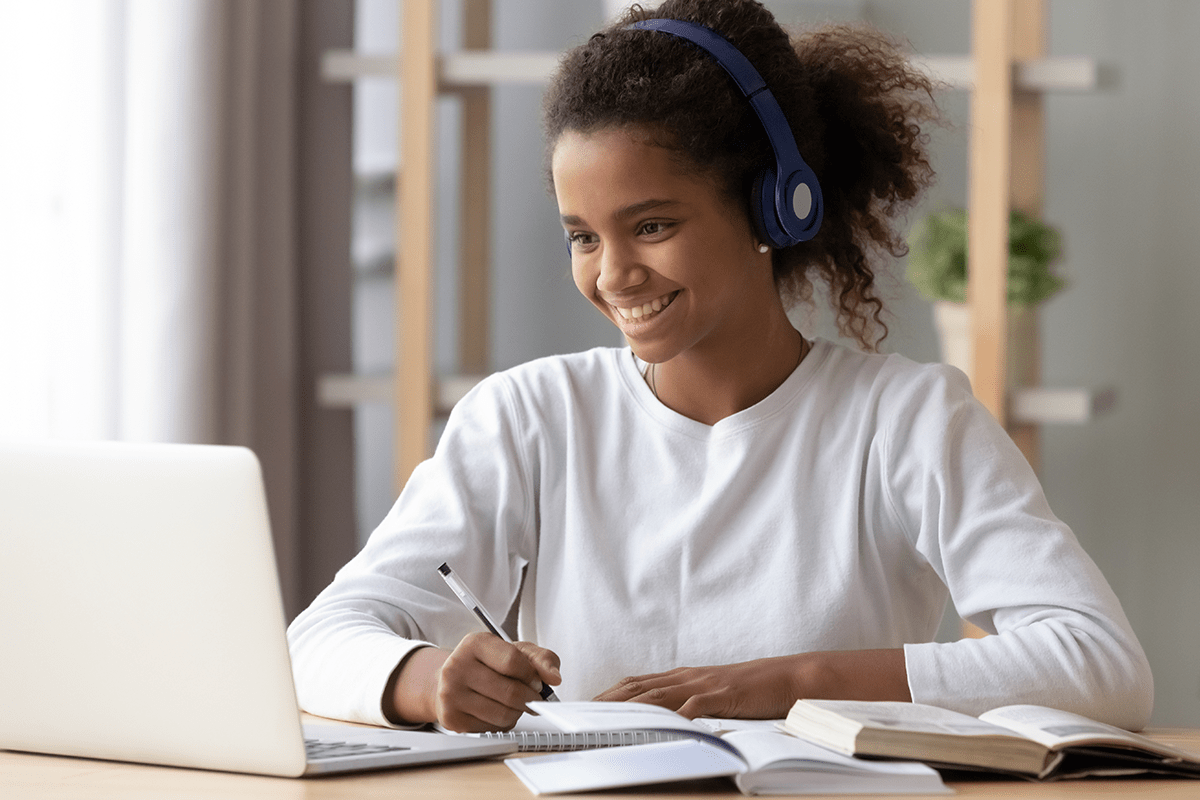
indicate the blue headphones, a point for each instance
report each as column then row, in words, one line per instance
column 786, row 202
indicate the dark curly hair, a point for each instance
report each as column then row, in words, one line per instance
column 853, row 101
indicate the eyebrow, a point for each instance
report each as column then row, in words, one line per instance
column 632, row 210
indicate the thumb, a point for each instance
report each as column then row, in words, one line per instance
column 546, row 662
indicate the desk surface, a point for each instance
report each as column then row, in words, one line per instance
column 33, row 777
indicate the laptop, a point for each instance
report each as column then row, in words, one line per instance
column 141, row 618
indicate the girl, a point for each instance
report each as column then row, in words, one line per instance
column 725, row 516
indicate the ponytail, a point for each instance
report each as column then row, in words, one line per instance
column 869, row 103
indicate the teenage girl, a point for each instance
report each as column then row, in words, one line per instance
column 724, row 516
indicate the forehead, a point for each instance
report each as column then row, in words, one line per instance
column 618, row 164
column 606, row 150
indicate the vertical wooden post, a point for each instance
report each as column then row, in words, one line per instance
column 1027, row 189
column 989, row 175
column 987, row 203
column 414, row 390
column 475, row 198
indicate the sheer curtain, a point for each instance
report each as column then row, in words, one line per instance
column 60, row 179
column 148, row 279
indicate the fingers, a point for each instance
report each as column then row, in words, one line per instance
column 734, row 690
column 669, row 689
column 486, row 682
column 470, row 712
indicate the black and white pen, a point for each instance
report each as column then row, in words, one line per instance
column 472, row 603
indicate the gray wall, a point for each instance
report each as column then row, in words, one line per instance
column 1122, row 182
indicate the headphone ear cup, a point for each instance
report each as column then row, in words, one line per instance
column 763, row 213
column 801, row 217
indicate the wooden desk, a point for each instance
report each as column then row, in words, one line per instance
column 31, row 777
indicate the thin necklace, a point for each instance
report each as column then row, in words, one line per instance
column 651, row 374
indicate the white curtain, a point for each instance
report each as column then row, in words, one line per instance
column 147, row 265
column 60, row 177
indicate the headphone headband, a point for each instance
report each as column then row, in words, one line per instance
column 787, row 199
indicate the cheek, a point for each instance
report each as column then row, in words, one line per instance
column 585, row 282
column 585, row 279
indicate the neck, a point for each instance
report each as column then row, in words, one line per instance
column 709, row 387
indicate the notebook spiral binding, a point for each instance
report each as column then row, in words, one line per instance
column 558, row 742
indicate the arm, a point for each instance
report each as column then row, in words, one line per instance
column 470, row 505
column 974, row 509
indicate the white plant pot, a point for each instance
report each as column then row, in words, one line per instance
column 953, row 322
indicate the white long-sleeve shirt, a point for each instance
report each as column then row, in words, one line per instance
column 837, row 514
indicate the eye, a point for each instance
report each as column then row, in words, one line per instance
column 581, row 240
column 653, row 228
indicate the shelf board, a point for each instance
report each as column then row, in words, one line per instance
column 485, row 68
column 491, row 67
column 340, row 390
column 465, row 68
column 1056, row 74
column 341, row 66
column 1040, row 406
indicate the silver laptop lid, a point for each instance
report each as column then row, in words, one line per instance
column 140, row 611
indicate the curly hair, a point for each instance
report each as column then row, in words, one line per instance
column 853, row 101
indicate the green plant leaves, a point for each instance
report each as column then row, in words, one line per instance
column 937, row 260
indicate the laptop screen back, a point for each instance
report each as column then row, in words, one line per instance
column 140, row 609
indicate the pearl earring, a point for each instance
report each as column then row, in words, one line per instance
column 762, row 248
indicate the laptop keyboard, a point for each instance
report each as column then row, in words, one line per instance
column 319, row 749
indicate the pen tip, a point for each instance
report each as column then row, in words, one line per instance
column 444, row 568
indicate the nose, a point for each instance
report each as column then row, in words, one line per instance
column 620, row 269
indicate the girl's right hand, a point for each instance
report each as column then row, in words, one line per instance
column 483, row 685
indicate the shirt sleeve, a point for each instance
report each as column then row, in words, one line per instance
column 975, row 510
column 470, row 506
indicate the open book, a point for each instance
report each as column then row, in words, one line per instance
column 759, row 758
column 1030, row 741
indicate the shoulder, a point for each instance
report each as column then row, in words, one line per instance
column 924, row 421
column 908, row 409
column 890, row 384
column 554, row 375
column 553, row 384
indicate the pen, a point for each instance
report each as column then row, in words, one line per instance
column 469, row 600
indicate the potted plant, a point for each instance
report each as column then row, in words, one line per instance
column 937, row 267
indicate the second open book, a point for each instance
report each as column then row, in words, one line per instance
column 1031, row 741
column 756, row 756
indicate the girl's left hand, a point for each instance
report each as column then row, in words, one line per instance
column 768, row 687
column 760, row 689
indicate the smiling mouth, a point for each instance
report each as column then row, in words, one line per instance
column 646, row 310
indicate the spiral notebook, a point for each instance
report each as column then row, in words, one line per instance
column 533, row 734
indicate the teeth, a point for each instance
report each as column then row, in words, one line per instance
column 645, row 310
